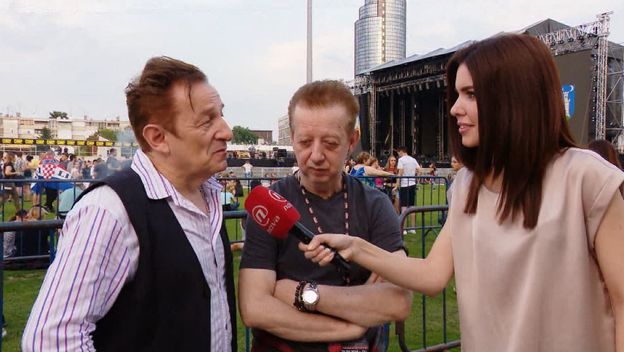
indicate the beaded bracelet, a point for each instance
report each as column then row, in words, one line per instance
column 298, row 303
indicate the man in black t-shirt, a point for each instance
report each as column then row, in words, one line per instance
column 291, row 303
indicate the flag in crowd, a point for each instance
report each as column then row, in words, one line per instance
column 50, row 169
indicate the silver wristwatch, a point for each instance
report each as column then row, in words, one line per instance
column 310, row 296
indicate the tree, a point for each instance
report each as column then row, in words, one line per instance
column 102, row 132
column 242, row 135
column 59, row 115
column 108, row 134
column 46, row 133
column 89, row 150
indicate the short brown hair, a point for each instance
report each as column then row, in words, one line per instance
column 149, row 97
column 522, row 122
column 322, row 94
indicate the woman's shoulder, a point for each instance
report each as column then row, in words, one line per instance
column 583, row 161
column 583, row 170
column 462, row 176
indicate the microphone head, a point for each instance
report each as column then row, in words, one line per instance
column 271, row 211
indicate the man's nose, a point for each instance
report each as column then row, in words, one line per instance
column 225, row 132
column 318, row 152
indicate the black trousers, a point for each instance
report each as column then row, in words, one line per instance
column 51, row 195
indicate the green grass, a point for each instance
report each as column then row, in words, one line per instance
column 22, row 287
column 20, row 290
column 7, row 210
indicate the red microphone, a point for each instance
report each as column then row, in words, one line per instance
column 277, row 216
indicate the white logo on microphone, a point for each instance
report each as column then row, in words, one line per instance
column 277, row 197
column 260, row 215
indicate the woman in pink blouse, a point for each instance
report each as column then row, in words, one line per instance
column 535, row 233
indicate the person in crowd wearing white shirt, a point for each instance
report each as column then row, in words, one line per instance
column 247, row 169
column 408, row 168
column 143, row 262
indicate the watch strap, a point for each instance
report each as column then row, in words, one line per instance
column 298, row 303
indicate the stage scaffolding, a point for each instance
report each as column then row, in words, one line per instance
column 615, row 98
column 594, row 36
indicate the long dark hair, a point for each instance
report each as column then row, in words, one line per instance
column 522, row 123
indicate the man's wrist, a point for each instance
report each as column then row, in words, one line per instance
column 310, row 296
column 306, row 296
column 356, row 249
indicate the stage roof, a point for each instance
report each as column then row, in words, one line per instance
column 418, row 57
column 545, row 26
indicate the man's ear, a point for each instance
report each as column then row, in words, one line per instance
column 354, row 139
column 156, row 138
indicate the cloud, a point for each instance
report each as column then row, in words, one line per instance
column 447, row 23
column 78, row 55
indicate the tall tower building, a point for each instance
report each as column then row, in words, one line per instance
column 379, row 33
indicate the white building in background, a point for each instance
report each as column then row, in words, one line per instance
column 379, row 33
column 77, row 129
column 283, row 131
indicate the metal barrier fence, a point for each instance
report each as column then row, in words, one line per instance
column 14, row 193
column 429, row 190
column 424, row 232
column 51, row 229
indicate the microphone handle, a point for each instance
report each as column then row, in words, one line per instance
column 304, row 235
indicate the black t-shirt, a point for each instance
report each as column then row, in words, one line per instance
column 371, row 216
column 8, row 166
column 239, row 189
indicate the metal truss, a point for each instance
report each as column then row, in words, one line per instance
column 594, row 36
column 615, row 98
column 360, row 84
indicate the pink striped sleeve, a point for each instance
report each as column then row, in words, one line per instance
column 91, row 266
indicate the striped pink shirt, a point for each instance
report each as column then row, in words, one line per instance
column 98, row 253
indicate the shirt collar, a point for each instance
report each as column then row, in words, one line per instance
column 156, row 185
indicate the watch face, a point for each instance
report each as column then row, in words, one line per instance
column 309, row 296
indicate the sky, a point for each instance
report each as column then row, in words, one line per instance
column 77, row 56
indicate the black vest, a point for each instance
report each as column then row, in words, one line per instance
column 166, row 307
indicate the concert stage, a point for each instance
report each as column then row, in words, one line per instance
column 403, row 102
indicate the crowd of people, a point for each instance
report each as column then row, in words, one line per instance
column 23, row 175
column 27, row 186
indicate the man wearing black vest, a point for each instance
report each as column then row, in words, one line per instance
column 143, row 263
